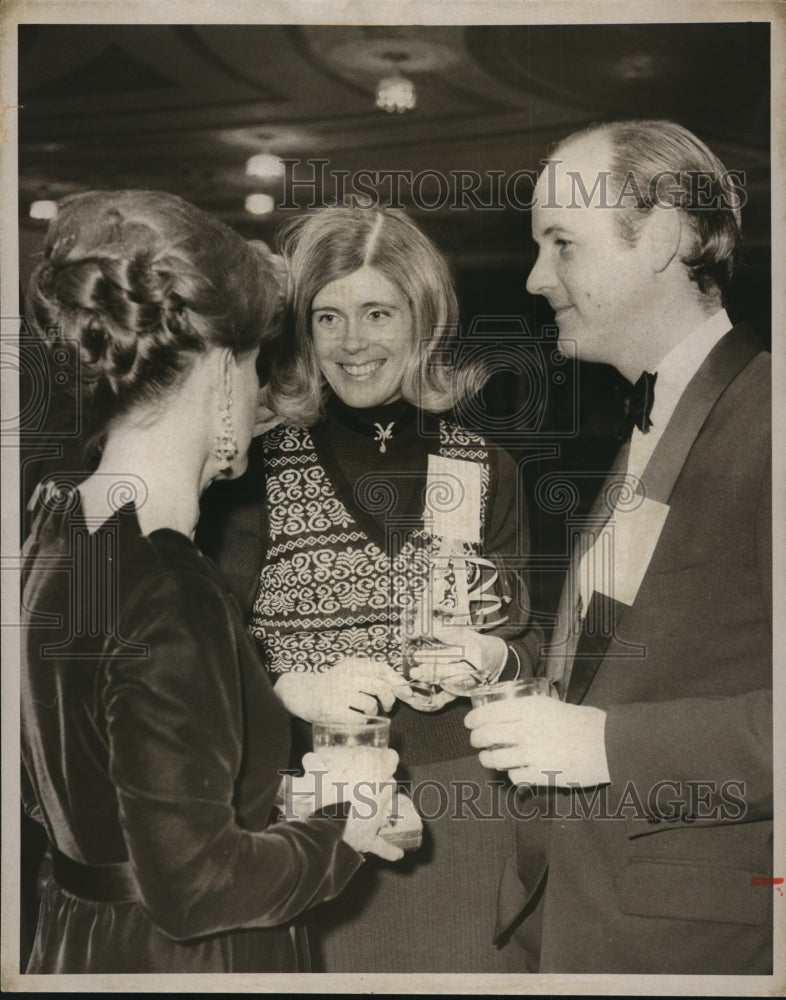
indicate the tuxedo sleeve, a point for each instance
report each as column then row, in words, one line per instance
column 725, row 743
column 712, row 755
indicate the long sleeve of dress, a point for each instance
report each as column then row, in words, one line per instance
column 174, row 724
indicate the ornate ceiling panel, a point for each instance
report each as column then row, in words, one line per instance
column 183, row 107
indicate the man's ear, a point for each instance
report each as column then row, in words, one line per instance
column 664, row 233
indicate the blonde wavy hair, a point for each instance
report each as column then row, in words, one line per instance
column 334, row 243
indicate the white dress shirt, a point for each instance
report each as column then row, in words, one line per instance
column 618, row 559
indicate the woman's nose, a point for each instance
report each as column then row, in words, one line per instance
column 355, row 338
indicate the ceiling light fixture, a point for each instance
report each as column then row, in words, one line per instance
column 396, row 93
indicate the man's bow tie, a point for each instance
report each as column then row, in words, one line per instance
column 638, row 406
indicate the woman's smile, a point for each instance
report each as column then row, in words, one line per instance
column 362, row 372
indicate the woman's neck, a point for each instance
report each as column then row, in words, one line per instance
column 398, row 409
column 162, row 473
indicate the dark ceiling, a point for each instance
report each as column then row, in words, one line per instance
column 182, row 107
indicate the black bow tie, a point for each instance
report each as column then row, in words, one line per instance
column 638, row 406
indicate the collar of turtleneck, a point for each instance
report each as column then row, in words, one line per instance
column 382, row 423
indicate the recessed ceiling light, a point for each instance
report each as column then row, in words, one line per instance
column 372, row 55
column 265, row 165
column 43, row 209
column 637, row 66
column 260, row 204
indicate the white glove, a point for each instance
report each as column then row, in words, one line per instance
column 353, row 685
column 367, row 819
column 463, row 651
column 532, row 738
column 365, row 781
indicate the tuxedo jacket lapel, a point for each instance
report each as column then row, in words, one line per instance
column 559, row 654
column 726, row 360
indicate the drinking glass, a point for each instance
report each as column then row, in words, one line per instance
column 416, row 638
column 358, row 751
column 524, row 687
column 458, row 588
column 357, row 746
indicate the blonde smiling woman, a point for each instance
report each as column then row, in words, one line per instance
column 331, row 548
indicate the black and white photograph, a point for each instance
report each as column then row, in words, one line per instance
column 392, row 531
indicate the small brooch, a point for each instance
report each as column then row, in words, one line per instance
column 384, row 434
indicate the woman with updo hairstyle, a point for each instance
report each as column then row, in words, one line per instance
column 366, row 482
column 152, row 741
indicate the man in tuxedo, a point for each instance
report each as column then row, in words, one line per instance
column 645, row 791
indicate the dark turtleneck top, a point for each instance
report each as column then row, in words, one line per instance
column 348, row 444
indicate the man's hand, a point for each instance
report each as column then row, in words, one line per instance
column 532, row 736
column 353, row 685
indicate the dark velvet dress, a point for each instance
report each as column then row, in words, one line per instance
column 152, row 743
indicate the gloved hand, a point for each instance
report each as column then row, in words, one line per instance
column 361, row 777
column 463, row 652
column 353, row 685
column 542, row 739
